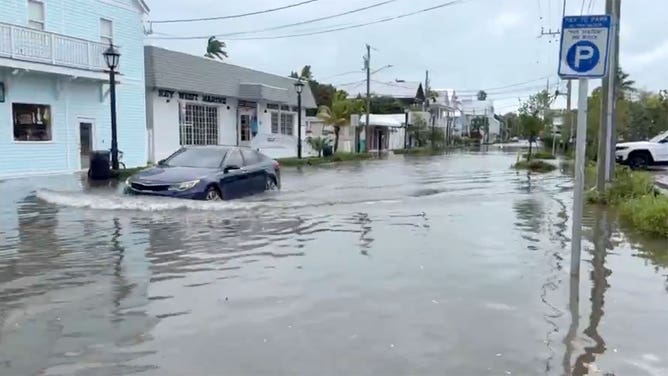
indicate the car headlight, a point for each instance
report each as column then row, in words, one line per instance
column 127, row 181
column 183, row 186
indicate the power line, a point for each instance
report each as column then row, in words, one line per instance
column 342, row 74
column 325, row 31
column 236, row 15
column 301, row 22
column 505, row 86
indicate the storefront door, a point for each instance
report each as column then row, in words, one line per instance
column 85, row 142
column 246, row 118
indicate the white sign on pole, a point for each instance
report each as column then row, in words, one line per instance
column 584, row 46
column 583, row 55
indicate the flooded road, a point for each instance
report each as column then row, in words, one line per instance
column 446, row 265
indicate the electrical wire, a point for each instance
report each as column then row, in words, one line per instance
column 236, row 15
column 325, row 31
column 307, row 21
column 342, row 74
column 505, row 86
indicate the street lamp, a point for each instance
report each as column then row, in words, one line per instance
column 111, row 57
column 406, row 112
column 299, row 87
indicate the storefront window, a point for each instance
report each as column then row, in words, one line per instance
column 286, row 125
column 32, row 122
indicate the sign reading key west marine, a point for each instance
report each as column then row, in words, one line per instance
column 584, row 46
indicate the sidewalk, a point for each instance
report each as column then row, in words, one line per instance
column 661, row 181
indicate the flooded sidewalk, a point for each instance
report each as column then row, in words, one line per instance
column 443, row 265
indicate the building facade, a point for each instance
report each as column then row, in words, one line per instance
column 55, row 108
column 193, row 100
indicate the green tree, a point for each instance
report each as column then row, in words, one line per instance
column 305, row 74
column 624, row 85
column 482, row 95
column 338, row 114
column 533, row 112
column 386, row 105
column 215, row 49
column 319, row 144
column 512, row 125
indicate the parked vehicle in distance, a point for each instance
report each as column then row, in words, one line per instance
column 641, row 154
column 208, row 173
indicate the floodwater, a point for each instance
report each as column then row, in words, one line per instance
column 445, row 265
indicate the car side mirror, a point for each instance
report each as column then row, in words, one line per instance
column 161, row 162
column 229, row 168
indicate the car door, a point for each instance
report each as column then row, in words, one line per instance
column 234, row 182
column 662, row 151
column 256, row 174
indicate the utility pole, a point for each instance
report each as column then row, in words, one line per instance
column 427, row 105
column 602, row 170
column 614, row 66
column 367, row 63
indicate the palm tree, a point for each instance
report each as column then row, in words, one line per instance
column 318, row 144
column 215, row 49
column 305, row 74
column 624, row 85
column 338, row 115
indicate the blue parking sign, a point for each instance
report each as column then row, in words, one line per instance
column 584, row 47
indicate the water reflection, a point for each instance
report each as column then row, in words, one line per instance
column 601, row 234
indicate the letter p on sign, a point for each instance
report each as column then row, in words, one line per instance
column 583, row 56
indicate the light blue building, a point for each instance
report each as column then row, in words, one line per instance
column 54, row 91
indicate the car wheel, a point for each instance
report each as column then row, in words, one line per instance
column 271, row 184
column 638, row 161
column 212, row 194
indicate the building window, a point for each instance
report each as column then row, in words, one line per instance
column 198, row 124
column 106, row 31
column 286, row 124
column 36, row 14
column 32, row 122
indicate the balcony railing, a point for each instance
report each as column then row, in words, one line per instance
column 23, row 43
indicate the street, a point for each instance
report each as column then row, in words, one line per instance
column 447, row 265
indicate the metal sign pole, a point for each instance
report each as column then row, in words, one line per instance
column 578, row 196
column 583, row 55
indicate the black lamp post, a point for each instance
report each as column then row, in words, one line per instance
column 111, row 57
column 299, row 86
column 406, row 111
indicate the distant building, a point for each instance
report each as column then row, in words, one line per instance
column 192, row 100
column 474, row 108
column 54, row 92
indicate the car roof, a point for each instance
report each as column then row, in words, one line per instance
column 220, row 147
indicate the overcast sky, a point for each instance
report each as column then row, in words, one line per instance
column 478, row 44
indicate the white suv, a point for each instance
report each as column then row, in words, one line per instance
column 641, row 154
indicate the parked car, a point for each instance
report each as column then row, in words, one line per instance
column 208, row 173
column 641, row 154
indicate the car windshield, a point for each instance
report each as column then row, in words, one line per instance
column 659, row 137
column 197, row 157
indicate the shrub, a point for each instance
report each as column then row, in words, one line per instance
column 627, row 185
column 647, row 214
column 337, row 157
column 539, row 155
column 535, row 165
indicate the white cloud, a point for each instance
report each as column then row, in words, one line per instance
column 639, row 60
column 505, row 22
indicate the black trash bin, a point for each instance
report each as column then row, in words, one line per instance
column 100, row 168
column 327, row 151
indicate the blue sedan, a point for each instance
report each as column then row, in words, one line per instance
column 208, row 173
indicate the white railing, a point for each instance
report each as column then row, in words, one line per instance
column 23, row 43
